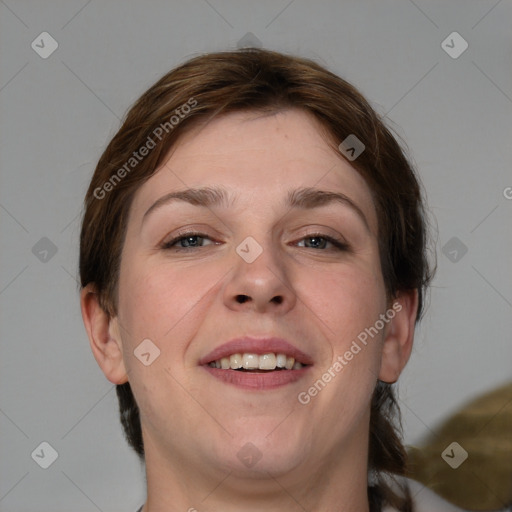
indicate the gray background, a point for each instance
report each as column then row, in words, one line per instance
column 58, row 113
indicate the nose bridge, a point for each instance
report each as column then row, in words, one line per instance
column 259, row 259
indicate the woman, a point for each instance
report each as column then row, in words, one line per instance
column 253, row 264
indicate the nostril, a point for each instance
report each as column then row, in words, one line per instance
column 278, row 299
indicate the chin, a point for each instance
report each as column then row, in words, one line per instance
column 266, row 447
column 265, row 462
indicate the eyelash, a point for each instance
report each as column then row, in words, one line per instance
column 338, row 244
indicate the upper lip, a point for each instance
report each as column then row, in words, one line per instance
column 258, row 346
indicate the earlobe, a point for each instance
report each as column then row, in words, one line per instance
column 398, row 341
column 104, row 336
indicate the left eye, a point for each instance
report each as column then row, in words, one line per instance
column 320, row 241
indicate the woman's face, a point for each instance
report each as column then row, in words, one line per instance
column 264, row 266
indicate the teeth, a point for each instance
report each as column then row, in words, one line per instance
column 281, row 360
column 289, row 363
column 249, row 361
column 267, row 362
column 235, row 361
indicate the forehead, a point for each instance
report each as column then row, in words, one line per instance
column 258, row 156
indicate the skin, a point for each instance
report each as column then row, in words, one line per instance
column 313, row 456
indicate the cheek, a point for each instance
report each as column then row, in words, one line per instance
column 347, row 303
column 159, row 301
column 347, row 300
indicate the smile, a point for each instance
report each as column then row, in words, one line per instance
column 257, row 363
column 252, row 362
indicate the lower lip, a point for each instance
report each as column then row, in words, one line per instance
column 257, row 381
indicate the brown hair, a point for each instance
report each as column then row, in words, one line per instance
column 261, row 80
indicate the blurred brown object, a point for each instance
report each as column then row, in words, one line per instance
column 484, row 429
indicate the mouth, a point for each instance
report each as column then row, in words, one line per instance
column 259, row 364
column 250, row 362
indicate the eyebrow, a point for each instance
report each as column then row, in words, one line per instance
column 305, row 198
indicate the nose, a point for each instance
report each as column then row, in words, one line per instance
column 263, row 286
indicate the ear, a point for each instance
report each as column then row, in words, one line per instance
column 398, row 341
column 104, row 337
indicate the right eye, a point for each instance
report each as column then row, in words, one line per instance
column 189, row 241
